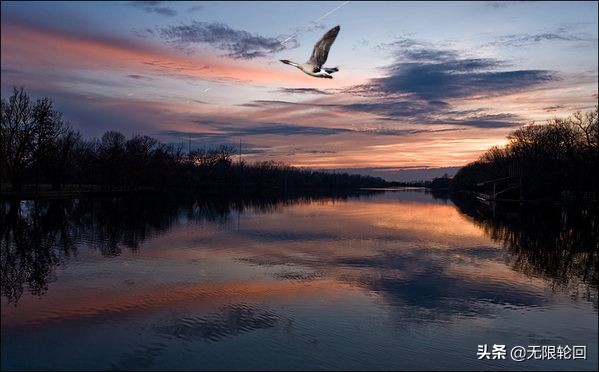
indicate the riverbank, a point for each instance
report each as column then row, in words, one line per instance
column 564, row 200
column 45, row 191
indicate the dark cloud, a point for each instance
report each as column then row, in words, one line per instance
column 393, row 109
column 319, row 152
column 404, row 132
column 419, row 84
column 200, row 101
column 285, row 130
column 239, row 43
column 139, row 77
column 302, row 91
column 439, row 80
column 433, row 74
column 553, row 108
column 268, row 102
column 153, row 7
column 488, row 121
column 300, row 150
column 226, row 131
column 229, row 133
column 411, row 110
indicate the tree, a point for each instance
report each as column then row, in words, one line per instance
column 111, row 155
column 27, row 133
column 59, row 160
column 548, row 159
column 587, row 124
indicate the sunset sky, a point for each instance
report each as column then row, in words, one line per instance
column 421, row 85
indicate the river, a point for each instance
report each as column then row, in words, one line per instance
column 378, row 280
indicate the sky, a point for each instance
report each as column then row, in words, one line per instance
column 421, row 85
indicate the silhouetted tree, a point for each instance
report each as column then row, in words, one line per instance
column 58, row 159
column 441, row 182
column 28, row 131
column 562, row 155
column 37, row 147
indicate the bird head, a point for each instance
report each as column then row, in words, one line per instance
column 288, row 62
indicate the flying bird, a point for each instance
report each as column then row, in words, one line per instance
column 319, row 56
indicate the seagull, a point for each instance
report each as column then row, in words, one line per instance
column 319, row 56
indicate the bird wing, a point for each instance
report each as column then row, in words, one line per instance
column 321, row 48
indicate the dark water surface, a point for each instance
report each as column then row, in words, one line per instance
column 385, row 280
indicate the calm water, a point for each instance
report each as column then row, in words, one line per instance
column 386, row 280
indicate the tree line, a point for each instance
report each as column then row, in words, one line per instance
column 37, row 147
column 557, row 159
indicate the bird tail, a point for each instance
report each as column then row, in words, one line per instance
column 330, row 70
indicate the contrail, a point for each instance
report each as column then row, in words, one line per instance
column 320, row 18
column 334, row 10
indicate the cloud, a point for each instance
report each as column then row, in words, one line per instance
column 195, row 8
column 432, row 74
column 138, row 77
column 520, row 40
column 409, row 109
column 153, row 7
column 239, row 43
column 228, row 130
column 302, row 91
column 553, row 108
column 496, row 4
column 317, row 151
column 217, row 132
column 268, row 102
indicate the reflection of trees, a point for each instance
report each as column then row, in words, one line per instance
column 37, row 236
column 34, row 240
column 108, row 224
column 560, row 244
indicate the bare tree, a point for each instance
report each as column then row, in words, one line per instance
column 587, row 123
column 28, row 129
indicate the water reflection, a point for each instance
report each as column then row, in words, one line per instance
column 379, row 280
column 559, row 244
column 39, row 235
column 228, row 321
